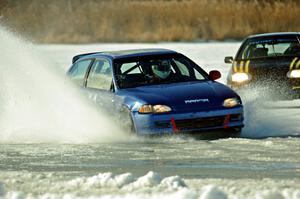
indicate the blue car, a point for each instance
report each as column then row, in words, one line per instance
column 159, row 91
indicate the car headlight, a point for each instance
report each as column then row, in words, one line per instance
column 231, row 102
column 293, row 74
column 147, row 108
column 240, row 77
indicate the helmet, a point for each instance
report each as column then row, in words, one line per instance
column 162, row 68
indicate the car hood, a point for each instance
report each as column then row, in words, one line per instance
column 270, row 69
column 181, row 96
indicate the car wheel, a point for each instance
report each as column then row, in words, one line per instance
column 131, row 125
column 127, row 121
column 235, row 132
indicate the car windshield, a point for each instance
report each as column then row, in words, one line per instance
column 153, row 70
column 270, row 47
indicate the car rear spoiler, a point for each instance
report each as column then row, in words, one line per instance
column 75, row 58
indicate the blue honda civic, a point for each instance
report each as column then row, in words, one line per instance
column 159, row 91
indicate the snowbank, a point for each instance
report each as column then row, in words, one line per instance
column 149, row 186
column 128, row 181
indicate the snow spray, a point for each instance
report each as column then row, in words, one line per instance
column 267, row 117
column 39, row 104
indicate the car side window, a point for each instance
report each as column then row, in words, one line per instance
column 79, row 70
column 100, row 76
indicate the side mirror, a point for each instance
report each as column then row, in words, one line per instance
column 214, row 75
column 228, row 60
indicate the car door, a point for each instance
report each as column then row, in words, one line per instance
column 99, row 84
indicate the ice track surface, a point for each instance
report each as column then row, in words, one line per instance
column 53, row 144
column 164, row 168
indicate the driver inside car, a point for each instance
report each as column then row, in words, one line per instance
column 161, row 71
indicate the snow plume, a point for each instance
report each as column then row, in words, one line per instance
column 39, row 104
column 267, row 117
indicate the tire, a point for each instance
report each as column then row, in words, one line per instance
column 126, row 121
column 235, row 132
column 131, row 125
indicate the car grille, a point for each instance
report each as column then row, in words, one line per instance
column 198, row 123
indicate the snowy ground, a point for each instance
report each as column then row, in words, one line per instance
column 174, row 168
column 53, row 144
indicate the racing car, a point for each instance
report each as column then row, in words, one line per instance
column 269, row 61
column 159, row 91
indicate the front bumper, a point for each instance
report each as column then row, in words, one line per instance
column 189, row 122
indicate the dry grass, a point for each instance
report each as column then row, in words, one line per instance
column 77, row 21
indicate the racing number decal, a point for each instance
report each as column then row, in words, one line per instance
column 241, row 67
column 293, row 63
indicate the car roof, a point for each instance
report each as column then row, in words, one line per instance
column 131, row 53
column 274, row 34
